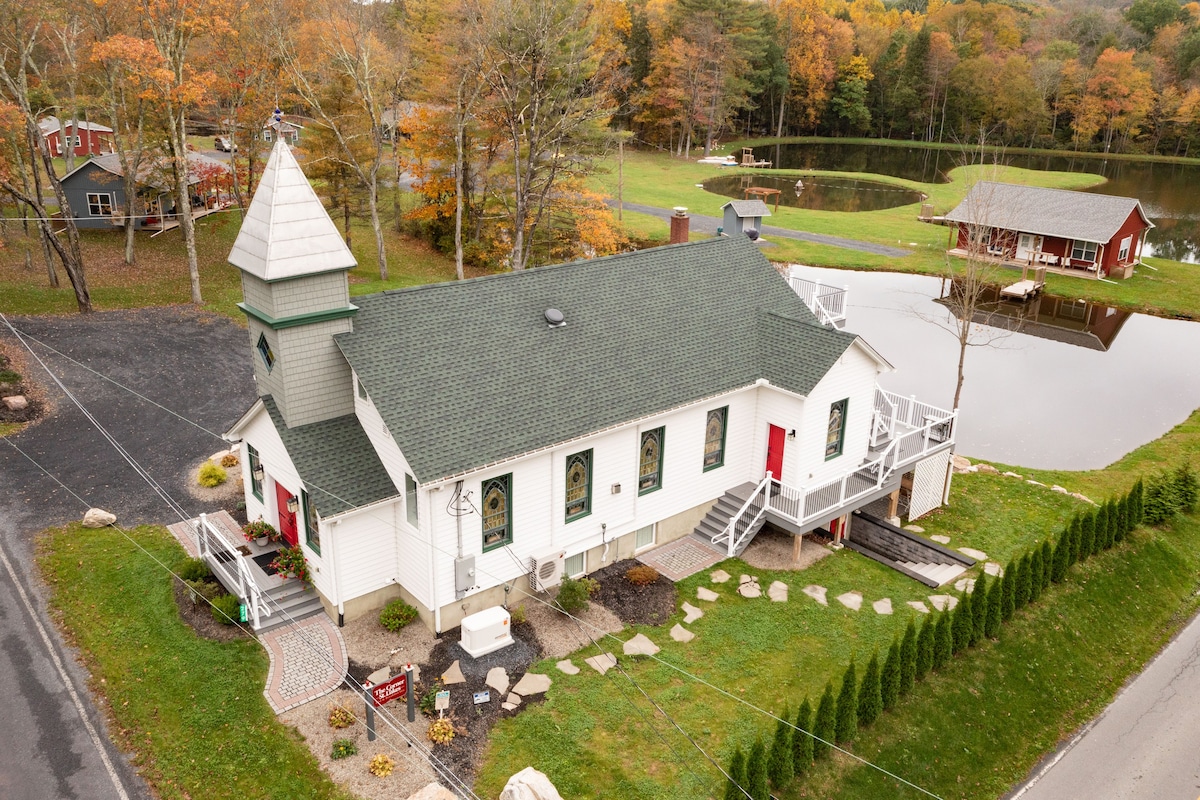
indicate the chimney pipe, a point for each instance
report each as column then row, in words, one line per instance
column 679, row 225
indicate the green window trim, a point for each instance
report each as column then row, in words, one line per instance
column 278, row 323
column 650, row 460
column 714, row 438
column 312, row 530
column 265, row 352
column 835, row 442
column 578, row 486
column 410, row 499
column 497, row 512
column 256, row 486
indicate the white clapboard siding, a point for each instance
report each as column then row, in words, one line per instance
column 852, row 377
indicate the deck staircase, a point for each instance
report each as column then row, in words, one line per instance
column 904, row 551
column 712, row 529
column 289, row 601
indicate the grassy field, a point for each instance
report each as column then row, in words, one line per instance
column 595, row 735
column 190, row 710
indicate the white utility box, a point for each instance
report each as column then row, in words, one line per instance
column 486, row 631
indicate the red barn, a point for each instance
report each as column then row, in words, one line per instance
column 1094, row 235
column 90, row 140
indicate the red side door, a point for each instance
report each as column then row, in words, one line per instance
column 287, row 520
column 775, row 442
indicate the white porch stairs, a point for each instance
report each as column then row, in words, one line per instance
column 712, row 530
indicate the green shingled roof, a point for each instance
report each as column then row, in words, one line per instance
column 468, row 373
column 336, row 461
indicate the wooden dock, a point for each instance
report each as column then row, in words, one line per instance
column 749, row 161
column 1026, row 287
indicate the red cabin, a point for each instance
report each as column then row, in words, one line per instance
column 90, row 139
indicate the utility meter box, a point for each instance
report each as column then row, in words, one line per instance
column 486, row 631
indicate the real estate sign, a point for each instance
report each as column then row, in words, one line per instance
column 389, row 690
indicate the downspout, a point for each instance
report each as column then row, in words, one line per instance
column 336, row 571
column 437, row 609
column 458, row 515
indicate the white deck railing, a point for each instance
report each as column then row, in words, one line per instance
column 828, row 303
column 231, row 567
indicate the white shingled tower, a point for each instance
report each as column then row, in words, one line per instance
column 296, row 294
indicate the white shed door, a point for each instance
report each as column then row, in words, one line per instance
column 929, row 482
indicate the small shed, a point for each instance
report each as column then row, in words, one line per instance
column 741, row 215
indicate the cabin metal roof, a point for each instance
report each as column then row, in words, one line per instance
column 748, row 208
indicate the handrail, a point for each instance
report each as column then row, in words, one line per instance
column 730, row 527
column 827, row 303
column 210, row 542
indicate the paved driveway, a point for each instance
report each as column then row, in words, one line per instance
column 53, row 744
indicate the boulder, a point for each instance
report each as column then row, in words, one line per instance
column 98, row 518
column 434, row 791
column 961, row 464
column 988, row 468
column 16, row 402
column 529, row 784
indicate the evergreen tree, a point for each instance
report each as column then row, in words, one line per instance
column 1008, row 597
column 870, row 701
column 1062, row 557
column 825, row 727
column 1075, row 536
column 889, row 682
column 962, row 619
column 1087, row 535
column 1047, row 563
column 802, row 741
column 925, row 648
column 908, row 658
column 979, row 609
column 1139, row 504
column 1036, row 568
column 1123, row 511
column 847, row 706
column 780, row 767
column 1114, row 522
column 943, row 641
column 995, row 613
column 756, row 772
column 1024, row 581
column 737, row 776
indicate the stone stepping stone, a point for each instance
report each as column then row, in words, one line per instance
column 943, row 602
column 978, row 555
column 1059, row 489
column 508, row 706
column 681, row 634
column 778, row 592
column 691, row 613
column 750, row 589
column 497, row 679
column 851, row 600
column 565, row 666
column 640, row 645
column 914, row 528
column 918, row 606
column 816, row 593
column 1013, row 475
column 601, row 663
column 513, row 700
column 966, row 585
column 719, row 576
column 940, row 539
column 453, row 675
column 532, row 683
column 706, row 594
column 883, row 606
column 993, row 569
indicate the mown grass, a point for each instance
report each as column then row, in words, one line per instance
column 597, row 736
column 191, row 711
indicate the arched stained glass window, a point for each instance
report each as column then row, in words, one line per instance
column 835, row 433
column 650, row 461
column 497, row 512
column 714, row 438
column 579, row 485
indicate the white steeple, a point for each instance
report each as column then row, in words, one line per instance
column 286, row 232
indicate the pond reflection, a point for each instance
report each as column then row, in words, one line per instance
column 819, row 194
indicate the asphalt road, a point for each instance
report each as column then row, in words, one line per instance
column 1146, row 744
column 53, row 742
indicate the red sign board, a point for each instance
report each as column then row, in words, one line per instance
column 389, row 690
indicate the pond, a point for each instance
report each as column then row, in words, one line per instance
column 1167, row 191
column 818, row 194
column 1075, row 386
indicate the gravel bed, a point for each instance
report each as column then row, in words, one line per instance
column 771, row 549
column 560, row 635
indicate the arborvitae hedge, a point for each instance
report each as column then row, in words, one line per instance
column 943, row 641
column 779, row 761
column 1075, row 536
column 1139, row 504
column 847, row 706
column 1114, row 523
column 1024, row 581
column 1036, row 568
column 962, row 619
column 737, row 776
column 908, row 658
column 825, row 727
column 1092, row 532
column 925, row 648
column 802, row 741
column 1047, row 563
column 756, row 772
column 995, row 614
column 1123, row 514
column 1008, row 594
column 1062, row 557
column 979, row 609
column 870, row 701
column 889, row 680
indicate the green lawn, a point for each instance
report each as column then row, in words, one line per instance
column 597, row 735
column 190, row 710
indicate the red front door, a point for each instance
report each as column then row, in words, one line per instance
column 775, row 452
column 287, row 520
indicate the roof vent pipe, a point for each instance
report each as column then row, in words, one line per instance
column 555, row 318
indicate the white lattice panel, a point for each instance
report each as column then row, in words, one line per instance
column 929, row 484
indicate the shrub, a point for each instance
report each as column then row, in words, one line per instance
column 1186, row 488
column 396, row 614
column 756, row 772
column 8, row 376
column 908, row 658
column 1168, row 494
column 518, row 615
column 1035, row 574
column 441, row 731
column 943, row 641
column 825, row 726
column 257, row 529
column 1122, row 519
column 211, row 475
column 225, row 609
column 962, row 619
column 343, row 748
column 229, row 460
column 1008, row 593
column 847, row 706
column 779, row 760
column 641, row 575
column 979, row 609
column 428, row 701
column 995, row 604
column 381, row 765
column 573, row 596
column 889, row 678
column 1138, row 493
column 802, row 740
column 1047, row 563
column 1062, row 557
column 1075, row 539
column 1023, row 590
column 925, row 648
column 340, row 717
column 870, row 701
column 204, row 589
column 737, row 776
column 1089, row 526
column 194, row 569
column 290, row 563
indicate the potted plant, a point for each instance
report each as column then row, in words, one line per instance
column 260, row 532
column 290, row 563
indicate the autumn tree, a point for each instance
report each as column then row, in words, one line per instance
column 1117, row 99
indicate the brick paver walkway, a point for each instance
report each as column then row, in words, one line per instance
column 682, row 558
column 308, row 660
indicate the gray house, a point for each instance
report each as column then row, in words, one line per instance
column 741, row 215
column 96, row 191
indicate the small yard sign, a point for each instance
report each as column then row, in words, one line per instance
column 389, row 690
column 441, row 700
column 482, row 697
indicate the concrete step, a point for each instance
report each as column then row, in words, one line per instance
column 292, row 608
column 942, row 573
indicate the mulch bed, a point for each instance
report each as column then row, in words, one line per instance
column 199, row 616
column 634, row 605
column 20, row 386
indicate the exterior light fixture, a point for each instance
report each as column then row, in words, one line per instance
column 792, row 433
column 259, row 473
column 293, row 504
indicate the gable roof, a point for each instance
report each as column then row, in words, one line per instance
column 286, row 232
column 748, row 208
column 50, row 124
column 336, row 461
column 152, row 169
column 468, row 373
column 1046, row 212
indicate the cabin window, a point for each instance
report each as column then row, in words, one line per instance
column 650, row 456
column 266, row 134
column 256, row 484
column 835, row 433
column 1125, row 244
column 714, row 438
column 643, row 538
column 265, row 351
column 410, row 499
column 1083, row 251
column 99, row 204
column 574, row 565
column 497, row 512
column 312, row 530
column 579, row 485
